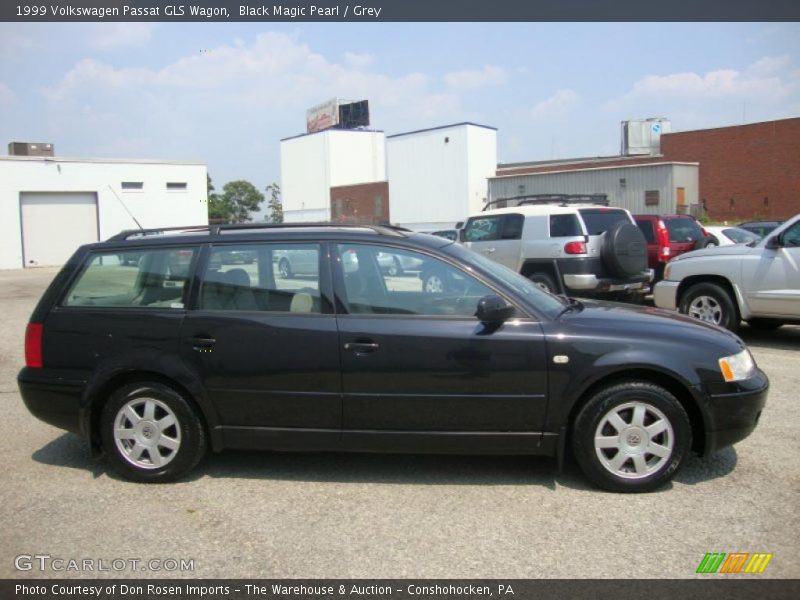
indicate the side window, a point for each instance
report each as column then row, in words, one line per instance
column 647, row 230
column 275, row 277
column 565, row 226
column 791, row 237
column 134, row 279
column 512, row 227
column 423, row 286
column 483, row 229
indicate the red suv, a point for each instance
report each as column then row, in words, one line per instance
column 670, row 235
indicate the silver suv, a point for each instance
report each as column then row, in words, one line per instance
column 758, row 282
column 575, row 245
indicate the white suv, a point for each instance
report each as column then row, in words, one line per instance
column 575, row 245
column 758, row 282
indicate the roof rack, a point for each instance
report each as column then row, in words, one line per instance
column 217, row 229
column 560, row 199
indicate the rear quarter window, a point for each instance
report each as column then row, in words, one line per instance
column 565, row 226
column 153, row 278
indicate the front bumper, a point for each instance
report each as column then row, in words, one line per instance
column 733, row 410
column 665, row 294
column 53, row 396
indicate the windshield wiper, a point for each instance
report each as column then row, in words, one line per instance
column 572, row 304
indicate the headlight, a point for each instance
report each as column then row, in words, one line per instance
column 737, row 367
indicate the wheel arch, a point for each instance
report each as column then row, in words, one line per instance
column 99, row 394
column 732, row 290
column 672, row 383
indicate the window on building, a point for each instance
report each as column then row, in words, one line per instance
column 132, row 186
column 651, row 198
column 176, row 186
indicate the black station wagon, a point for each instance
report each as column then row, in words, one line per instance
column 155, row 345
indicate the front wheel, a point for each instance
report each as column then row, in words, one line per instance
column 151, row 433
column 711, row 303
column 434, row 283
column 631, row 437
column 544, row 282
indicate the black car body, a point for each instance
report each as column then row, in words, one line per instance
column 347, row 360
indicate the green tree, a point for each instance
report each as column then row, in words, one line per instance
column 218, row 209
column 274, row 204
column 243, row 198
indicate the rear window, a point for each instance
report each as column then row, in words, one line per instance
column 564, row 226
column 134, row 279
column 647, row 229
column 683, row 230
column 600, row 220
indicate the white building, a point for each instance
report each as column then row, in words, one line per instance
column 438, row 176
column 51, row 205
column 313, row 163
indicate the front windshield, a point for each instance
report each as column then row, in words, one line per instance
column 547, row 303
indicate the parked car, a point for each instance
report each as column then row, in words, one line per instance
column 669, row 236
column 758, row 282
column 576, row 245
column 448, row 234
column 725, row 236
column 293, row 262
column 761, row 228
column 395, row 265
column 154, row 374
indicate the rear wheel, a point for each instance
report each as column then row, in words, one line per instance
column 434, row 283
column 711, row 303
column 631, row 437
column 151, row 433
column 284, row 268
column 544, row 282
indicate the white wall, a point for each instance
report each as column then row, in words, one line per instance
column 439, row 176
column 154, row 206
column 312, row 164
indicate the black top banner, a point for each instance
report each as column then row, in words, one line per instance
column 400, row 10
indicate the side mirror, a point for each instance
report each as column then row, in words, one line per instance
column 493, row 309
column 774, row 243
column 461, row 235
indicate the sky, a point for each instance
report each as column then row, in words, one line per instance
column 226, row 93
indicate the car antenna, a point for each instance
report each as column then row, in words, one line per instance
column 139, row 225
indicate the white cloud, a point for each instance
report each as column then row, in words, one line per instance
column 476, row 78
column 359, row 61
column 6, row 96
column 557, row 105
column 111, row 36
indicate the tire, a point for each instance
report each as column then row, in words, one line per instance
column 395, row 269
column 187, row 438
column 622, row 462
column 285, row 268
column 544, row 282
column 765, row 324
column 706, row 242
column 434, row 283
column 624, row 250
column 711, row 303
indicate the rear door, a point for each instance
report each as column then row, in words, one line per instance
column 265, row 346
column 417, row 361
column 497, row 237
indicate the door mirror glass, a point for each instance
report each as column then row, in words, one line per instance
column 493, row 309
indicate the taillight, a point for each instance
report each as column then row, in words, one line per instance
column 575, row 247
column 663, row 241
column 33, row 345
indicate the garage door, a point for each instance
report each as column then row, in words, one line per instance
column 54, row 224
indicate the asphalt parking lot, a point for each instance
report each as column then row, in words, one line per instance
column 338, row 515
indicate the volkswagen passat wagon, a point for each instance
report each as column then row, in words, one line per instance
column 156, row 360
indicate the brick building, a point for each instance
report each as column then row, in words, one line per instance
column 745, row 171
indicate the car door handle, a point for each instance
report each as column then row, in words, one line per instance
column 361, row 347
column 489, row 250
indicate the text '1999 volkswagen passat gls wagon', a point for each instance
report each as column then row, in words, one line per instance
column 155, row 359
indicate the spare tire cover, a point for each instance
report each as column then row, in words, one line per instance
column 625, row 250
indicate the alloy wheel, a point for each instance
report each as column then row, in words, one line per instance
column 147, row 433
column 706, row 308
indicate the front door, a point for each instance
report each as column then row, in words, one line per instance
column 265, row 346
column 772, row 281
column 419, row 361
